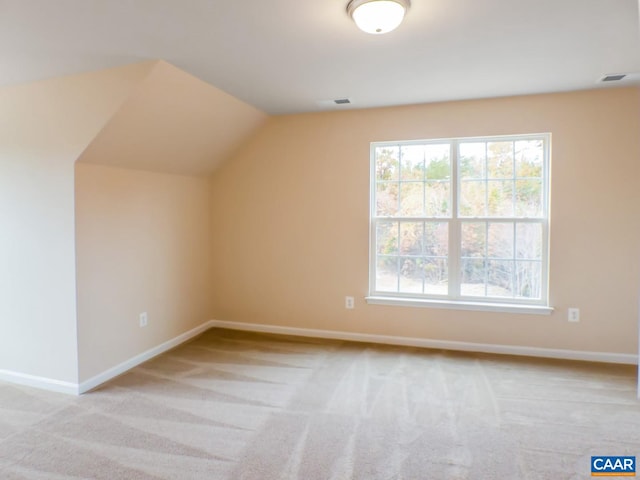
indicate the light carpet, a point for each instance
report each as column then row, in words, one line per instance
column 239, row 405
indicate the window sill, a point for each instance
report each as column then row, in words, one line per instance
column 448, row 304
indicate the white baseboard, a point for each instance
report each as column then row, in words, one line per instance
column 78, row 389
column 123, row 367
column 603, row 357
column 39, row 382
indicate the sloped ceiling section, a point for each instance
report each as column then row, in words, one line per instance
column 174, row 123
column 59, row 117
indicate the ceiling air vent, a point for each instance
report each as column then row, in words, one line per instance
column 338, row 102
column 613, row 77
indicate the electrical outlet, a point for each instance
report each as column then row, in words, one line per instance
column 349, row 302
column 144, row 319
column 573, row 314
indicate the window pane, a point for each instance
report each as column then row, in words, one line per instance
column 472, row 160
column 529, row 198
column 387, row 274
column 473, row 277
column 473, row 239
column 500, row 278
column 529, row 158
column 387, row 163
column 500, row 160
column 500, row 198
column 500, row 240
column 436, row 276
column 411, row 238
column 473, row 195
column 411, row 199
column 387, row 199
column 436, row 239
column 438, row 199
column 410, row 275
column 387, row 238
column 438, row 161
column 528, row 279
column 412, row 162
column 529, row 241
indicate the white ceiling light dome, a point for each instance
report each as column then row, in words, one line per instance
column 377, row 16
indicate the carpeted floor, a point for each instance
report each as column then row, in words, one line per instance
column 237, row 405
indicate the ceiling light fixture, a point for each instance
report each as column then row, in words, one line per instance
column 377, row 16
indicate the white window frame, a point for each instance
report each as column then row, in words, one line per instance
column 454, row 300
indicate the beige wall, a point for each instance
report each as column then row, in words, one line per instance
column 290, row 216
column 44, row 126
column 143, row 238
column 149, row 116
column 279, row 234
column 143, row 245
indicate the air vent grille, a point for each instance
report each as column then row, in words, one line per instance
column 613, row 77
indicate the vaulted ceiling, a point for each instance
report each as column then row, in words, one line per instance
column 285, row 56
column 147, row 116
column 173, row 122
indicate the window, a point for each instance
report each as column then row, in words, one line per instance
column 461, row 221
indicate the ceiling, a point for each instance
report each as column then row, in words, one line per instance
column 289, row 56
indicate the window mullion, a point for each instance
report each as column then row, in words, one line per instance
column 454, row 227
column 486, row 215
column 398, row 256
column 486, row 179
column 423, row 252
column 398, row 215
column 514, row 263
